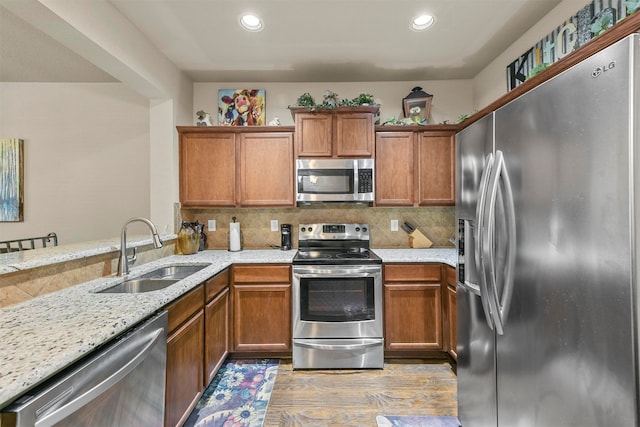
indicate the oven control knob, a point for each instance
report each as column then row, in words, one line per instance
column 357, row 229
column 310, row 229
column 364, row 229
column 303, row 229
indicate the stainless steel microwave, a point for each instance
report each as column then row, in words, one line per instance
column 335, row 180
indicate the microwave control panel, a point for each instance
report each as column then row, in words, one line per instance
column 365, row 180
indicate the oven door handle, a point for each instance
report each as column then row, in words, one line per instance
column 337, row 272
column 363, row 344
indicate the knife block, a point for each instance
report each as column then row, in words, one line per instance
column 419, row 240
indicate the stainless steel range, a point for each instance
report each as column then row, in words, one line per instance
column 337, row 299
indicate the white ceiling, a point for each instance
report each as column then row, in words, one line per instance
column 303, row 40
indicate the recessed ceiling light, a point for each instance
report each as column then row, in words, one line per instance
column 422, row 22
column 251, row 22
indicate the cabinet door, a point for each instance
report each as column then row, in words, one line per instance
column 452, row 327
column 207, row 170
column 262, row 317
column 216, row 342
column 266, row 169
column 413, row 307
column 436, row 160
column 184, row 370
column 261, row 308
column 314, row 134
column 413, row 316
column 394, row 168
column 354, row 135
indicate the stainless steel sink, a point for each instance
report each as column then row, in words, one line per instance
column 134, row 286
column 174, row 271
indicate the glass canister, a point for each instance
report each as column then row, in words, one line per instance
column 188, row 239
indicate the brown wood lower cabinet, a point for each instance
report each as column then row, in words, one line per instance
column 451, row 308
column 185, row 348
column 412, row 308
column 197, row 345
column 261, row 301
column 216, row 328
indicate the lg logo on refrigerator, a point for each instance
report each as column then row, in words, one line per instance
column 599, row 70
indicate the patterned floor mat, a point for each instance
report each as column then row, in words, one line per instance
column 238, row 395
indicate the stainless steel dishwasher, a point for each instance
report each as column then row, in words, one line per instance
column 121, row 384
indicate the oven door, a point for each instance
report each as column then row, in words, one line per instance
column 337, row 301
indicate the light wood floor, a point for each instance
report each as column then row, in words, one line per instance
column 347, row 398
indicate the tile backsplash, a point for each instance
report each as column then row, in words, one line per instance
column 437, row 223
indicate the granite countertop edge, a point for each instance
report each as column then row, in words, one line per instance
column 64, row 326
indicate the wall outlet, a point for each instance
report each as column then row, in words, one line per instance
column 211, row 225
column 394, row 225
column 274, row 225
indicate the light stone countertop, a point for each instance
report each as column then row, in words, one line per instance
column 444, row 255
column 43, row 336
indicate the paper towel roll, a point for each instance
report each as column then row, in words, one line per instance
column 234, row 236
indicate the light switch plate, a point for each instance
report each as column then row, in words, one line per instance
column 211, row 225
column 394, row 225
column 274, row 225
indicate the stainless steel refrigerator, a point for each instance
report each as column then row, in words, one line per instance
column 548, row 209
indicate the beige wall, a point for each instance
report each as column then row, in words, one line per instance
column 451, row 98
column 491, row 83
column 86, row 157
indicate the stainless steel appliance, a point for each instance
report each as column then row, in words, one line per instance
column 335, row 180
column 548, row 239
column 122, row 384
column 337, row 299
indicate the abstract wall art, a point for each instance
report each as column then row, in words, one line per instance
column 11, row 180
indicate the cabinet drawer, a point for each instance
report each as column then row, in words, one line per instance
column 217, row 283
column 184, row 307
column 412, row 273
column 262, row 274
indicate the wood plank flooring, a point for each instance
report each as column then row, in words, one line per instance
column 348, row 398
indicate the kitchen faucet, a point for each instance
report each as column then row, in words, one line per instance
column 123, row 261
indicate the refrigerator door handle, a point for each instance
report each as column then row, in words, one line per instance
column 488, row 237
column 500, row 305
column 479, row 239
column 510, row 218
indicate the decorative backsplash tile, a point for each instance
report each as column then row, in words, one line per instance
column 437, row 223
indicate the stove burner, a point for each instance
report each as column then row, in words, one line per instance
column 353, row 255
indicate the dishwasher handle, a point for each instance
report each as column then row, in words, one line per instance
column 59, row 414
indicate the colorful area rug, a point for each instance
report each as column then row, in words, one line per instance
column 238, row 396
column 416, row 421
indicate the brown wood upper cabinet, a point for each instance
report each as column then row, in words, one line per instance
column 415, row 168
column 344, row 133
column 226, row 167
